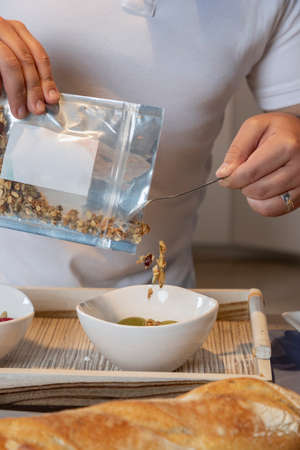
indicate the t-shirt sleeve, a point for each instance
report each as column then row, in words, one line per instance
column 275, row 79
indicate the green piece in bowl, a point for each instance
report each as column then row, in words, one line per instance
column 133, row 321
column 141, row 322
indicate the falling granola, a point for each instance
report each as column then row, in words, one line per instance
column 147, row 260
column 159, row 269
column 149, row 293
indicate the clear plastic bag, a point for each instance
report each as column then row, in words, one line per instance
column 77, row 171
column 146, row 8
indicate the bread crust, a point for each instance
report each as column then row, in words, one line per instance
column 232, row 414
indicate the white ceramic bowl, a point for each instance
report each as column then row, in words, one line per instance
column 20, row 308
column 158, row 348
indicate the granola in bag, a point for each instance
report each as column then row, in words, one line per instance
column 121, row 174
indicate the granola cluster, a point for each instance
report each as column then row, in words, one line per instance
column 159, row 269
column 152, row 323
column 147, row 260
column 27, row 202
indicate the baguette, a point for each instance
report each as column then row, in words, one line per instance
column 232, row 414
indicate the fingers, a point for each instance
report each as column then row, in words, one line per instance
column 25, row 70
column 41, row 60
column 244, row 143
column 283, row 179
column 13, row 81
column 276, row 206
column 268, row 157
column 20, row 60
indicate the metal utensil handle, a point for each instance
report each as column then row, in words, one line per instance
column 183, row 193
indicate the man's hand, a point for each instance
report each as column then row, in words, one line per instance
column 264, row 162
column 25, row 71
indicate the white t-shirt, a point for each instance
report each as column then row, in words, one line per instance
column 189, row 59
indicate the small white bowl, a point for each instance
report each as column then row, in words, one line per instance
column 156, row 348
column 19, row 307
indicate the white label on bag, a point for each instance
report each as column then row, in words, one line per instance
column 41, row 157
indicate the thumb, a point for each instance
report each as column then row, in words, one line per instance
column 245, row 142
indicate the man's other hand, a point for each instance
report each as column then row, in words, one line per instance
column 263, row 161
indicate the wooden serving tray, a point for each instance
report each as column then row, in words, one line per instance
column 56, row 366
